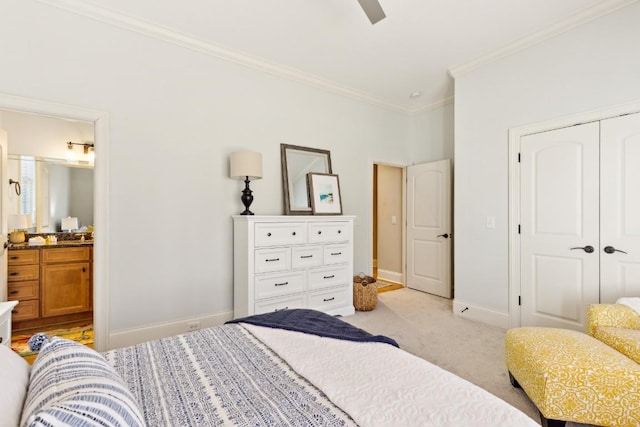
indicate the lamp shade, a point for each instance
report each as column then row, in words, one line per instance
column 245, row 164
column 69, row 223
column 18, row 222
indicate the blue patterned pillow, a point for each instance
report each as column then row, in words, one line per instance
column 73, row 385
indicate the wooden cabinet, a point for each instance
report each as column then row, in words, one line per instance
column 23, row 283
column 54, row 285
column 284, row 262
column 65, row 282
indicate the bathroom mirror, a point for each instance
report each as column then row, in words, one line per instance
column 50, row 189
column 297, row 162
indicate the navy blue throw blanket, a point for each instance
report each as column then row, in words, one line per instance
column 315, row 323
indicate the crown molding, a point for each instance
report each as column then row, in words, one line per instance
column 153, row 30
column 433, row 106
column 601, row 9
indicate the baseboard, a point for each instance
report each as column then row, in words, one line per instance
column 481, row 314
column 161, row 330
column 390, row 276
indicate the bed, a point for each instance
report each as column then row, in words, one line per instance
column 293, row 368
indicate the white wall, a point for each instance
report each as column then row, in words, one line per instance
column 175, row 115
column 432, row 134
column 590, row 67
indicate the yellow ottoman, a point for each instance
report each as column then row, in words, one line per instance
column 571, row 376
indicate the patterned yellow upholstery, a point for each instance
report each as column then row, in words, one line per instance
column 616, row 325
column 571, row 376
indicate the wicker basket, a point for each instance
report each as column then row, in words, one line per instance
column 365, row 293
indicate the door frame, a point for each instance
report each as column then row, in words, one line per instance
column 514, row 186
column 100, row 120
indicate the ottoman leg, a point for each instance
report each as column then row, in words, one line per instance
column 513, row 381
column 550, row 423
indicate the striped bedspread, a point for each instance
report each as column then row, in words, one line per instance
column 220, row 376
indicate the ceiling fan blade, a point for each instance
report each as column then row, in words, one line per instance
column 373, row 10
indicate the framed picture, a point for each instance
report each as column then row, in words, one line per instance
column 324, row 190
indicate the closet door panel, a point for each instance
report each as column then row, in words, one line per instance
column 559, row 215
column 620, row 208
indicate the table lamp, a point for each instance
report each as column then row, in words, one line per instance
column 245, row 165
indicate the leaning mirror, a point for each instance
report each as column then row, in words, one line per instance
column 297, row 162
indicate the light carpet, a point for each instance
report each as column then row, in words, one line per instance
column 425, row 326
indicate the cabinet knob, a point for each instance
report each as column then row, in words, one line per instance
column 268, row 234
column 339, row 231
column 319, row 232
column 293, row 234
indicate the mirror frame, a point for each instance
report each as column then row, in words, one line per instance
column 285, row 150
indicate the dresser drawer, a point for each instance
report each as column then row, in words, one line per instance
column 330, row 298
column 80, row 253
column 23, row 256
column 273, row 285
column 23, row 272
column 20, row 291
column 328, row 276
column 306, row 256
column 276, row 259
column 287, row 303
column 336, row 254
column 328, row 232
column 279, row 234
column 26, row 310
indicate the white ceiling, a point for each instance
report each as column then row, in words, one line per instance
column 331, row 43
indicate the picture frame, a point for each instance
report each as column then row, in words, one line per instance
column 324, row 191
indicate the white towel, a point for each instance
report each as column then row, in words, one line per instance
column 633, row 302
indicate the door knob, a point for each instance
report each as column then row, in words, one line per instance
column 611, row 249
column 587, row 249
column 445, row 235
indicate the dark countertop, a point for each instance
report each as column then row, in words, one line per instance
column 60, row 244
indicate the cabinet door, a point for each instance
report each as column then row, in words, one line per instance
column 65, row 289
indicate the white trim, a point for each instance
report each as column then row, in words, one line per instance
column 101, row 197
column 134, row 336
column 597, row 11
column 390, row 276
column 480, row 314
column 515, row 134
column 433, row 106
column 153, row 30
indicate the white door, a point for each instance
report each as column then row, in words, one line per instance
column 4, row 188
column 620, row 208
column 429, row 227
column 559, row 219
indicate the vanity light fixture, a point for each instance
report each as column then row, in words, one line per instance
column 86, row 147
column 245, row 165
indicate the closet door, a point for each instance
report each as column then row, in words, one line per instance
column 620, row 208
column 559, row 208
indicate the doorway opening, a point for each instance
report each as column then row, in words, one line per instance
column 388, row 214
column 100, row 267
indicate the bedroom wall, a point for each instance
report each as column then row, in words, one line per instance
column 175, row 115
column 590, row 67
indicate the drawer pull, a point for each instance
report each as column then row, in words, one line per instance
column 1, row 338
column 293, row 234
column 268, row 234
column 14, row 257
column 13, row 292
column 272, row 259
column 306, row 256
column 329, row 277
column 339, row 231
column 329, row 299
column 14, row 311
column 336, row 253
column 14, row 273
column 319, row 232
column 281, row 284
column 280, row 309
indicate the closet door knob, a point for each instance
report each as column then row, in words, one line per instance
column 587, row 249
column 611, row 249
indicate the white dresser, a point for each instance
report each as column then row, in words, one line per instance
column 284, row 262
column 5, row 321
